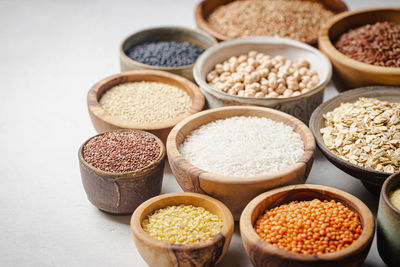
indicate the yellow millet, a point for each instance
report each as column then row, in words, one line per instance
column 183, row 224
column 394, row 198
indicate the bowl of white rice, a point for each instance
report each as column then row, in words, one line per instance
column 235, row 153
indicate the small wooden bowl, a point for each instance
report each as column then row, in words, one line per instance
column 159, row 253
column 350, row 73
column 206, row 7
column 371, row 179
column 103, row 122
column 388, row 230
column 236, row 191
column 163, row 34
column 262, row 253
column 299, row 106
column 121, row 193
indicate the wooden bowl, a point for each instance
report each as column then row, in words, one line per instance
column 388, row 230
column 234, row 191
column 262, row 253
column 299, row 106
column 103, row 122
column 159, row 253
column 371, row 179
column 350, row 73
column 121, row 193
column 163, row 34
column 206, row 7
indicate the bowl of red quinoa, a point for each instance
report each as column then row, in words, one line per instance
column 235, row 153
column 149, row 100
column 298, row 20
column 172, row 49
column 307, row 225
column 364, row 47
column 121, row 169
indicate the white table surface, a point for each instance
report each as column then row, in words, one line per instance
column 51, row 53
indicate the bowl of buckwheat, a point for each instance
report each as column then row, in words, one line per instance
column 359, row 132
column 273, row 72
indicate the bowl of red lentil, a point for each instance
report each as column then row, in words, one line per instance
column 235, row 153
column 363, row 46
column 298, row 20
column 304, row 225
column 182, row 229
column 121, row 169
column 172, row 49
column 149, row 100
column 273, row 72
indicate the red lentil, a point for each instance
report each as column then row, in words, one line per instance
column 309, row 227
column 121, row 151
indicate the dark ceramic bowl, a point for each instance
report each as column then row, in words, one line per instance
column 122, row 193
column 388, row 230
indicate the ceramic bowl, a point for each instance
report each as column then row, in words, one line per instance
column 262, row 253
column 236, row 191
column 206, row 7
column 350, row 73
column 388, row 230
column 159, row 253
column 121, row 193
column 371, row 179
column 163, row 34
column 299, row 106
column 103, row 122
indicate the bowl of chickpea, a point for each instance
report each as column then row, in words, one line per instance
column 273, row 72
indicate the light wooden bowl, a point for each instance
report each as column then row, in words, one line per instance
column 121, row 193
column 206, row 7
column 388, row 230
column 163, row 34
column 103, row 122
column 299, row 106
column 350, row 73
column 261, row 253
column 371, row 179
column 233, row 191
column 160, row 253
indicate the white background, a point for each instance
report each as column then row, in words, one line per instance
column 51, row 53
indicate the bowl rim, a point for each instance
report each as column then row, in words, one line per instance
column 385, row 191
column 318, row 137
column 95, row 108
column 139, row 233
column 203, row 24
column 325, row 43
column 124, row 175
column 309, row 147
column 184, row 30
column 274, row 40
column 365, row 214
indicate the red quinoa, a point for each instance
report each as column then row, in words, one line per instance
column 121, row 151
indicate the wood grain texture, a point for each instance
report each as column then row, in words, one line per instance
column 262, row 253
column 236, row 192
column 122, row 193
column 159, row 253
column 371, row 178
column 299, row 106
column 350, row 73
column 206, row 7
column 103, row 122
column 388, row 229
column 163, row 34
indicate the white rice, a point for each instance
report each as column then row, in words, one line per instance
column 242, row 146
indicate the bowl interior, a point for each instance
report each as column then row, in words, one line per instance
column 387, row 93
column 273, row 46
column 146, row 75
column 392, row 183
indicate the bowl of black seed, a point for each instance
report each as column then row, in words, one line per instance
column 121, row 169
column 172, row 49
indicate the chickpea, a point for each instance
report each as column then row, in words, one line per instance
column 272, row 83
column 253, row 54
column 293, row 85
column 212, row 75
column 219, row 68
column 233, row 59
column 242, row 58
column 303, row 71
column 281, row 88
column 264, row 89
column 301, row 62
column 232, row 91
column 287, row 93
column 264, row 81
